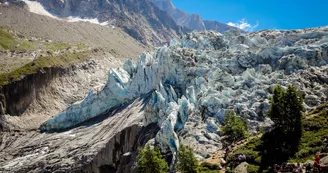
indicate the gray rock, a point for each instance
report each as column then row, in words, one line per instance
column 241, row 168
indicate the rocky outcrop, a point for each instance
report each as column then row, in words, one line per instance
column 324, row 164
column 95, row 147
column 242, row 168
column 191, row 21
column 18, row 95
column 139, row 18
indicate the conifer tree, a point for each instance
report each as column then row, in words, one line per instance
column 234, row 127
column 150, row 161
column 187, row 162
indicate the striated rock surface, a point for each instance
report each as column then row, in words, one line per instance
column 97, row 147
column 186, row 89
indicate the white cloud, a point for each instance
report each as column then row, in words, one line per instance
column 244, row 25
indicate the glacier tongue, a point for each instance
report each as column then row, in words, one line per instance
column 196, row 79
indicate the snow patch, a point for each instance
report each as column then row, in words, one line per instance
column 93, row 21
column 37, row 8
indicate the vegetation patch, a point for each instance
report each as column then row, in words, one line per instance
column 206, row 167
column 315, row 129
column 7, row 42
column 57, row 46
column 40, row 63
column 25, row 46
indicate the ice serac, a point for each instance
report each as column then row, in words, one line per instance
column 193, row 83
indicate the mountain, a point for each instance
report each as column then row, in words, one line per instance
column 176, row 94
column 191, row 21
column 152, row 22
column 139, row 18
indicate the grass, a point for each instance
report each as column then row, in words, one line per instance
column 315, row 129
column 38, row 64
column 7, row 42
column 57, row 46
column 206, row 167
column 26, row 46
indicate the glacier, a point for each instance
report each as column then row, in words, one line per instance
column 195, row 80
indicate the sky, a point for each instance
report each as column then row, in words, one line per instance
column 253, row 15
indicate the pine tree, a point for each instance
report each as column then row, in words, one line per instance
column 286, row 109
column 234, row 127
column 150, row 161
column 286, row 113
column 187, row 162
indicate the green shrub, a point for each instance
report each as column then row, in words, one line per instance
column 312, row 125
column 210, row 166
column 316, row 143
column 251, row 156
column 253, row 169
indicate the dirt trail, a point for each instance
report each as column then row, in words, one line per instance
column 219, row 155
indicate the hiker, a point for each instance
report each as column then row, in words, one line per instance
column 317, row 166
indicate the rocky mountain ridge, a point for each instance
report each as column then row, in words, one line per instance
column 191, row 21
column 152, row 22
column 140, row 19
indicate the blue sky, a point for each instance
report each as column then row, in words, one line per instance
column 268, row 14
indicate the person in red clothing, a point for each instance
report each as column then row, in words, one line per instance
column 317, row 162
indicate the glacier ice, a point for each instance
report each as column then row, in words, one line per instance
column 197, row 79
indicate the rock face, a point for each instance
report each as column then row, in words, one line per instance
column 186, row 89
column 191, row 21
column 18, row 96
column 139, row 18
column 95, row 147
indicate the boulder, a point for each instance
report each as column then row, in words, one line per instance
column 324, row 164
column 242, row 168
